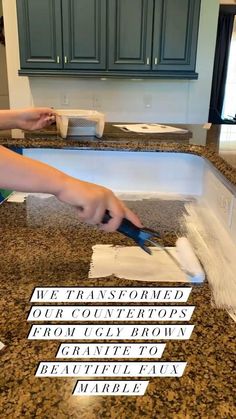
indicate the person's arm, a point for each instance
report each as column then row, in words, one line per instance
column 23, row 174
column 27, row 119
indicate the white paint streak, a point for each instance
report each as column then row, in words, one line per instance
column 216, row 251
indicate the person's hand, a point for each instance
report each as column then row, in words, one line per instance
column 92, row 201
column 34, row 118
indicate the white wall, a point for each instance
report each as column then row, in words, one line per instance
column 174, row 101
column 4, row 99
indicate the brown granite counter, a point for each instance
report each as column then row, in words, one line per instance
column 42, row 244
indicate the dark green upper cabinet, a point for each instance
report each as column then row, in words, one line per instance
column 40, row 33
column 84, row 34
column 130, row 34
column 175, row 35
column 121, row 38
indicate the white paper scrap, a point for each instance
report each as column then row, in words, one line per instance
column 17, row 197
column 20, row 196
column 207, row 125
column 232, row 314
column 2, row 346
column 133, row 263
column 151, row 128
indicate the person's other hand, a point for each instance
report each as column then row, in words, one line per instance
column 92, row 201
column 34, row 118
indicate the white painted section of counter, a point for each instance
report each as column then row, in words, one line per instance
column 139, row 175
column 210, row 219
column 127, row 171
column 133, row 263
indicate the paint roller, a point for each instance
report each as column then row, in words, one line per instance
column 188, row 260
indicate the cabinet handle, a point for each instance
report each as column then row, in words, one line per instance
column 65, row 60
column 58, row 59
column 148, row 61
column 156, row 61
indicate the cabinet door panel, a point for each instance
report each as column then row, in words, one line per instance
column 130, row 34
column 175, row 34
column 40, row 33
column 84, row 29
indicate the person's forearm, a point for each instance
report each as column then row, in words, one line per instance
column 90, row 200
column 27, row 175
column 8, row 119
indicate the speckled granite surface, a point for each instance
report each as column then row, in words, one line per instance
column 42, row 244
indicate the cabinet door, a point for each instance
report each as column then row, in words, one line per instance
column 130, row 34
column 40, row 37
column 175, row 35
column 84, row 33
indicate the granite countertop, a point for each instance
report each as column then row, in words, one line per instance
column 42, row 244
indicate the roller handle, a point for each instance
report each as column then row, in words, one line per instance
column 126, row 227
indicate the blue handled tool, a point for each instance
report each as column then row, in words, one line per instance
column 143, row 235
column 139, row 235
column 188, row 263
